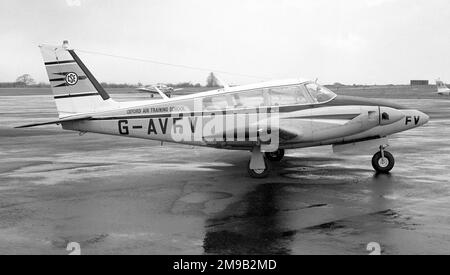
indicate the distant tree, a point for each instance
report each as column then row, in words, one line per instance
column 42, row 85
column 26, row 80
column 8, row 84
column 116, row 85
column 182, row 85
column 212, row 81
column 198, row 85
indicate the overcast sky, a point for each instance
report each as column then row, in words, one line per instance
column 348, row 41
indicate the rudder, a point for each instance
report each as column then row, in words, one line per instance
column 75, row 89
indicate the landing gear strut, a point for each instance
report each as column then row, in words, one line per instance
column 275, row 156
column 258, row 166
column 383, row 161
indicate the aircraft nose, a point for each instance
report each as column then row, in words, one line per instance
column 415, row 118
column 425, row 118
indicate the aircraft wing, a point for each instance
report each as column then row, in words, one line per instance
column 59, row 121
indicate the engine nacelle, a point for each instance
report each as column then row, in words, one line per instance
column 335, row 122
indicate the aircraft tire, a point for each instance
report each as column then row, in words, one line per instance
column 383, row 165
column 275, row 156
column 259, row 174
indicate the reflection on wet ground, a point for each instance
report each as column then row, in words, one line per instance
column 126, row 196
column 255, row 229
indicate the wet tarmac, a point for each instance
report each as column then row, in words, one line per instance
column 127, row 196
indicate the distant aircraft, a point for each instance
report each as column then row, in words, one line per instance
column 265, row 118
column 442, row 89
column 161, row 89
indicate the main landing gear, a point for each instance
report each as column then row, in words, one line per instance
column 275, row 156
column 383, row 161
column 259, row 164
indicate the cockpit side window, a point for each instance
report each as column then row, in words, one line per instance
column 318, row 93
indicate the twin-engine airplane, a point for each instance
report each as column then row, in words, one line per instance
column 264, row 118
column 159, row 89
column 442, row 88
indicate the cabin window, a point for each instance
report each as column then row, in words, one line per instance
column 214, row 103
column 289, row 95
column 309, row 93
column 319, row 93
column 251, row 99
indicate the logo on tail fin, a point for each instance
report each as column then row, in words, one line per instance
column 71, row 79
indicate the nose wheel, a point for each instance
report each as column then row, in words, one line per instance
column 258, row 166
column 383, row 161
column 275, row 156
column 261, row 172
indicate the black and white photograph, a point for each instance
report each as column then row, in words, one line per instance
column 249, row 130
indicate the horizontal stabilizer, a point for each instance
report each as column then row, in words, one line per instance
column 59, row 121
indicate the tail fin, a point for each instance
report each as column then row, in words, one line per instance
column 441, row 86
column 75, row 89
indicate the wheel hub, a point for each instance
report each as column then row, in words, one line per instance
column 383, row 162
column 259, row 171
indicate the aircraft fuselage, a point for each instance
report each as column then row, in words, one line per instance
column 341, row 120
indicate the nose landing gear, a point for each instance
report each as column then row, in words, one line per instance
column 258, row 166
column 383, row 161
column 259, row 173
